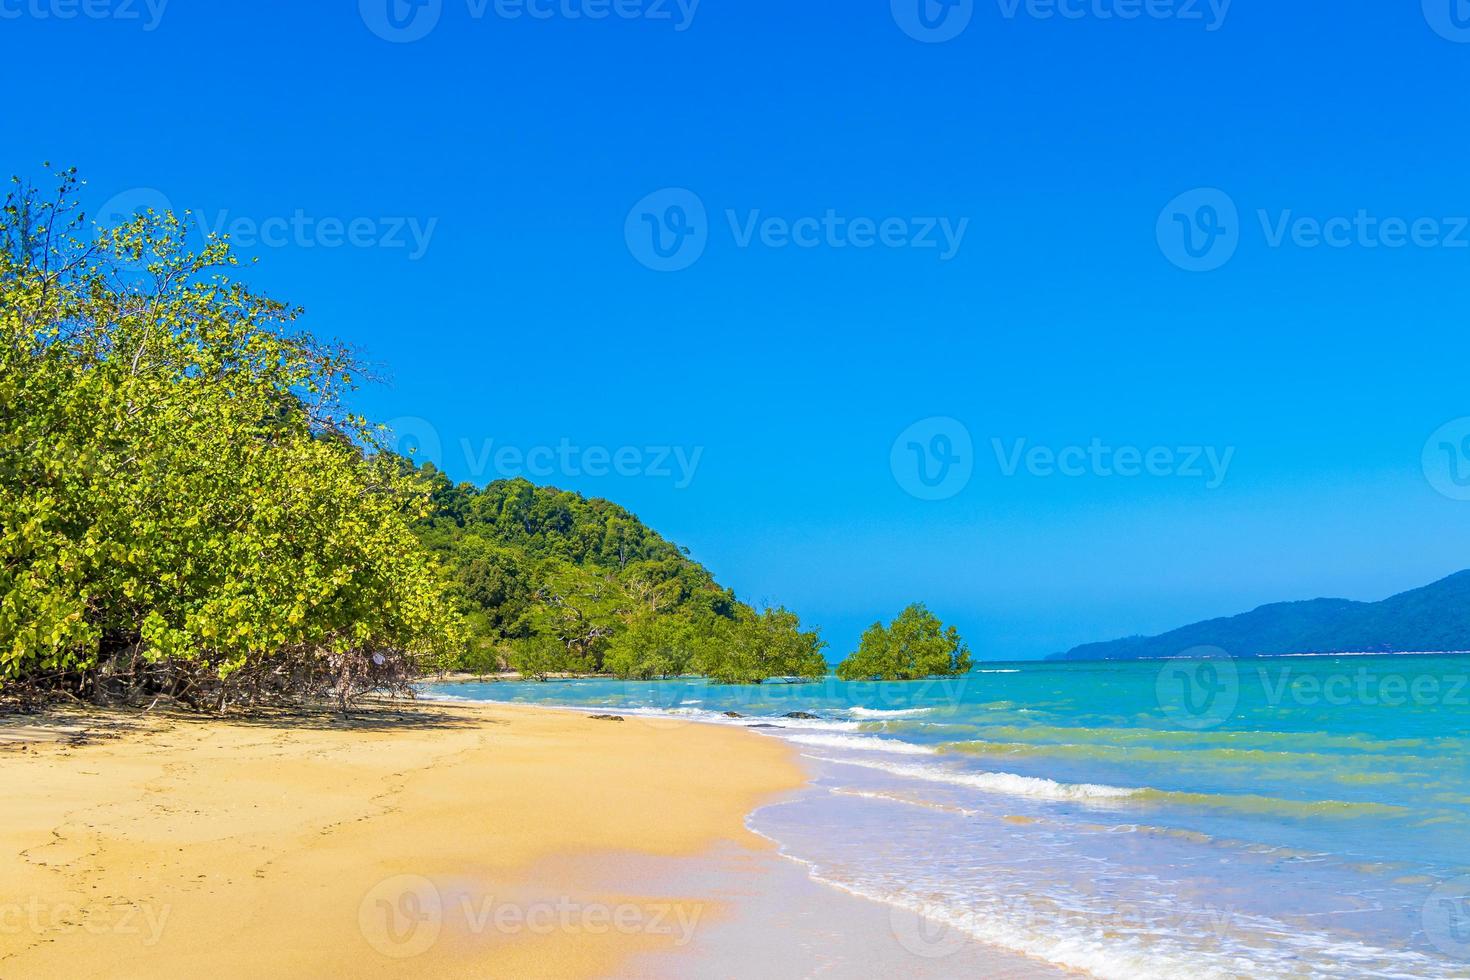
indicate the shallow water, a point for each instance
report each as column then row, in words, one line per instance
column 1274, row 817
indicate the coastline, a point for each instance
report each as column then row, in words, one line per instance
column 441, row 836
column 419, row 836
column 1089, row 828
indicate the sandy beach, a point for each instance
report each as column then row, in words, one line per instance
column 441, row 836
column 477, row 840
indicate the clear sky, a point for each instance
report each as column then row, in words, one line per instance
column 980, row 232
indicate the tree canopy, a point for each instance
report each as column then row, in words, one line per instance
column 915, row 645
column 758, row 646
column 531, row 564
column 189, row 509
column 187, row 506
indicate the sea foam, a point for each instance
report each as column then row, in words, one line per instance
column 887, row 712
column 1005, row 783
column 862, row 743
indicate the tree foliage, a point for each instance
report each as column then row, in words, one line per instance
column 915, row 645
column 533, row 564
column 653, row 646
column 187, row 507
column 758, row 646
column 541, row 656
column 532, row 561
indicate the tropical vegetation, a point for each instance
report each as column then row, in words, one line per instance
column 188, row 508
column 915, row 645
column 548, row 582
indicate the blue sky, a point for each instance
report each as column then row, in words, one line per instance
column 466, row 207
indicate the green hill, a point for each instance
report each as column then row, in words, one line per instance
column 549, row 581
column 1435, row 617
column 532, row 562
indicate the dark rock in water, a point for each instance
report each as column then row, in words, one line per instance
column 733, row 714
column 801, row 716
column 761, row 725
column 607, row 717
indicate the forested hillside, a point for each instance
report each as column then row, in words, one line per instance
column 551, row 581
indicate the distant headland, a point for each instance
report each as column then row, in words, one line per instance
column 1432, row 619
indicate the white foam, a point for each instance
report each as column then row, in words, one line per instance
column 862, row 743
column 1008, row 784
column 887, row 713
column 1075, row 944
column 818, row 724
column 1068, row 933
column 1112, row 961
column 864, row 794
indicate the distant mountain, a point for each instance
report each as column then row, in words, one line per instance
column 1433, row 618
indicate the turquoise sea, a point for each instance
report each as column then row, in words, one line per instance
column 1282, row 817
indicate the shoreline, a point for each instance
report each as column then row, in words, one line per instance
column 432, row 835
column 442, row 836
column 866, row 936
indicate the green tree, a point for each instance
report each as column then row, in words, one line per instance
column 185, row 506
column 653, row 646
column 915, row 645
column 580, row 607
column 537, row 561
column 541, row 656
column 495, row 582
column 756, row 647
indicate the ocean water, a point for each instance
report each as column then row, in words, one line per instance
column 1282, row 817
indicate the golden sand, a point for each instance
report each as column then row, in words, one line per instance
column 469, row 840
